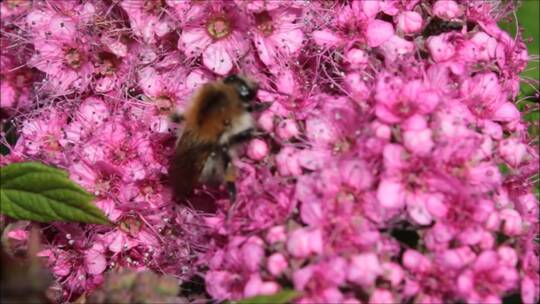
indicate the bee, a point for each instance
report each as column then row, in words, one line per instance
column 437, row 26
column 218, row 120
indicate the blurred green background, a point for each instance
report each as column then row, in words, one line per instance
column 528, row 14
column 528, row 17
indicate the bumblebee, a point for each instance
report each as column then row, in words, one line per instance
column 217, row 121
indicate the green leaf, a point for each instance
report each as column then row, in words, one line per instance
column 503, row 168
column 33, row 191
column 282, row 297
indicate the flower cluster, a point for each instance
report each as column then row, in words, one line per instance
column 393, row 165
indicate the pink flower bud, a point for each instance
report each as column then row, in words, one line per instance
column 287, row 162
column 252, row 253
column 393, row 273
column 18, row 234
column 492, row 129
column 513, row 151
column 381, row 130
column 370, row 8
column 435, row 205
column 414, row 260
column 8, row 95
column 257, row 149
column 356, row 58
column 446, row 9
column 276, row 264
column 269, row 288
column 95, row 261
column 418, row 142
column 513, row 224
column 440, row 47
column 357, row 86
column 276, row 234
column 529, row 290
column 326, row 38
column 302, row 276
column 486, row 261
column 253, row 286
column 391, row 194
column 394, row 157
column 457, row 258
column 378, row 31
column 364, row 269
column 507, row 112
column 287, row 129
column 381, row 296
column 528, row 206
column 465, row 282
column 416, row 208
column 395, row 47
column 266, row 121
column 409, row 22
column 507, row 256
column 355, row 174
column 302, row 242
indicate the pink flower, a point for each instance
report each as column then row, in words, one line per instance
column 42, row 135
column 257, row 149
column 327, row 38
column 446, row 9
column 217, row 35
column 277, row 264
column 68, row 65
column 396, row 48
column 486, row 279
column 378, row 31
column 512, row 223
column 409, row 22
column 364, row 269
column 381, row 296
column 287, row 129
column 440, row 47
column 513, row 151
column 302, row 242
column 278, row 36
column 391, row 194
column 397, row 101
column 147, row 19
column 381, row 168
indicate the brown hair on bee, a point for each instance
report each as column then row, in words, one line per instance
column 218, row 119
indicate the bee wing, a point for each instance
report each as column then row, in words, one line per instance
column 188, row 162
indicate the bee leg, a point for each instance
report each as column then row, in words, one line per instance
column 258, row 107
column 241, row 137
column 230, row 178
column 230, row 173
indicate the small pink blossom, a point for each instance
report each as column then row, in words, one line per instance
column 257, row 149
column 364, row 269
column 446, row 9
column 302, row 242
column 278, row 37
column 381, row 296
column 391, row 194
column 378, row 32
column 217, row 36
column 441, row 47
column 409, row 22
column 276, row 264
column 287, row 129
